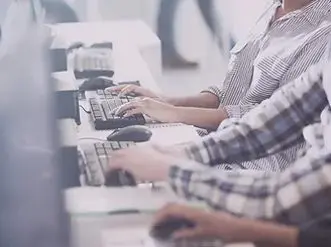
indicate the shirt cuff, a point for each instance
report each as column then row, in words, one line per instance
column 238, row 111
column 215, row 91
column 180, row 177
column 193, row 153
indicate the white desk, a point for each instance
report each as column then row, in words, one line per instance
column 129, row 66
column 92, row 225
column 133, row 33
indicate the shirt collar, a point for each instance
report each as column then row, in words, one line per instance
column 313, row 12
column 316, row 10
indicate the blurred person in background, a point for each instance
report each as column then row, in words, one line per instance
column 165, row 27
column 58, row 11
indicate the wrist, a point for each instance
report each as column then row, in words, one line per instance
column 167, row 99
column 268, row 234
column 176, row 117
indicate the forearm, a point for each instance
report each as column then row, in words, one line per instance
column 264, row 234
column 273, row 126
column 203, row 100
column 201, row 117
column 276, row 197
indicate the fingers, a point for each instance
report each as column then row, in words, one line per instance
column 128, row 89
column 128, row 107
column 134, row 107
column 116, row 89
column 121, row 159
column 189, row 233
column 123, row 90
column 116, row 161
column 133, row 111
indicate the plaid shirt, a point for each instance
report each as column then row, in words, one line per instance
column 298, row 194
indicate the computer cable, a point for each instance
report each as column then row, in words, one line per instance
column 86, row 111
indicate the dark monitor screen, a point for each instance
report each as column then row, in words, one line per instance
column 31, row 203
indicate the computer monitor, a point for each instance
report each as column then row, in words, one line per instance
column 31, row 203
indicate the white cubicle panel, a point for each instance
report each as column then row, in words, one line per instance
column 133, row 33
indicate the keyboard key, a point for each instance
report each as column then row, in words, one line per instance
column 109, row 151
column 98, row 145
column 107, row 145
column 125, row 144
column 115, row 145
column 104, row 165
column 101, row 151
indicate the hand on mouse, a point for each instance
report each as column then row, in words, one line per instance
column 144, row 163
column 207, row 224
column 155, row 109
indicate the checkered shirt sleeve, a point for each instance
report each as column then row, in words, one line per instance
column 275, row 125
column 294, row 196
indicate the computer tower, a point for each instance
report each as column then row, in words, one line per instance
column 32, row 210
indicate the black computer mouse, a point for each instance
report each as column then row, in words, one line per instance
column 134, row 133
column 107, row 45
column 165, row 229
column 75, row 46
column 119, row 178
column 96, row 83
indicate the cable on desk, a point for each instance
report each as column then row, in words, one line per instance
column 86, row 111
column 92, row 138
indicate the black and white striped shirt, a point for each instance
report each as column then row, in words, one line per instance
column 274, row 53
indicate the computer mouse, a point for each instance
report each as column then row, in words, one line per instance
column 134, row 133
column 96, row 83
column 75, row 46
column 107, row 45
column 165, row 229
column 119, row 178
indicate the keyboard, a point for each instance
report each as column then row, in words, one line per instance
column 95, row 163
column 104, row 118
column 106, row 94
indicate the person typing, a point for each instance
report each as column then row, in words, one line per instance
column 295, row 196
column 290, row 36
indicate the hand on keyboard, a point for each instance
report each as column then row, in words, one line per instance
column 155, row 109
column 87, row 59
column 133, row 90
column 144, row 163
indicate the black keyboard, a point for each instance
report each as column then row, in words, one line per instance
column 106, row 94
column 96, row 160
column 104, row 117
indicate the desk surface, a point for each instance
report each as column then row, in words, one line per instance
column 129, row 33
column 92, row 230
column 133, row 32
column 124, row 230
column 129, row 66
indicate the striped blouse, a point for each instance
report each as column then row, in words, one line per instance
column 274, row 53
